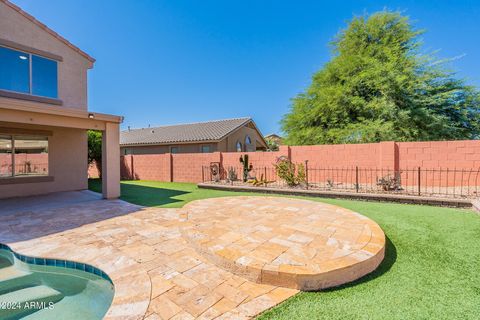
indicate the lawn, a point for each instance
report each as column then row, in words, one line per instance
column 431, row 269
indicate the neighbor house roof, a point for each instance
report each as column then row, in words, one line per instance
column 211, row 131
column 47, row 29
column 273, row 135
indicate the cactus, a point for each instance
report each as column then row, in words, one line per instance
column 262, row 182
column 247, row 167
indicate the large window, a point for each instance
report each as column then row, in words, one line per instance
column 28, row 73
column 23, row 156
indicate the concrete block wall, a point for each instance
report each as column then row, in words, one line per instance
column 187, row 167
column 440, row 154
column 380, row 158
column 38, row 162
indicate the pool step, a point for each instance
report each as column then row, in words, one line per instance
column 13, row 279
column 26, row 301
column 11, row 272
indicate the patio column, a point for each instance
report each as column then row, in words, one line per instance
column 111, row 161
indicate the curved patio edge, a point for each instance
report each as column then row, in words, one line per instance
column 318, row 275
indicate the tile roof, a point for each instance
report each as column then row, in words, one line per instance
column 182, row 133
column 47, row 29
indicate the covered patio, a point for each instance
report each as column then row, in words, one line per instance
column 43, row 149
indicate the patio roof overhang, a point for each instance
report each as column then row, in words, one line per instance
column 17, row 111
column 27, row 113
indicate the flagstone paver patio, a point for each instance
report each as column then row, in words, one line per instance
column 299, row 244
column 157, row 274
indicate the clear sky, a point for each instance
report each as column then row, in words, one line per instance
column 164, row 62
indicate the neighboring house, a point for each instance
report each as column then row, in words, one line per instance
column 43, row 112
column 230, row 135
column 275, row 138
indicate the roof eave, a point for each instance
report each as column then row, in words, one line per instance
column 145, row 144
column 50, row 31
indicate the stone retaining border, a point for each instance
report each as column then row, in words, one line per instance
column 432, row 201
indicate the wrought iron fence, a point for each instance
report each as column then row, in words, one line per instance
column 24, row 169
column 438, row 182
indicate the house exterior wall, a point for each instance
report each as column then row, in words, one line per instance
column 66, row 164
column 162, row 149
column 228, row 144
column 67, row 120
column 72, row 71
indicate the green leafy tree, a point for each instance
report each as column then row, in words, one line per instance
column 379, row 86
column 95, row 149
column 272, row 145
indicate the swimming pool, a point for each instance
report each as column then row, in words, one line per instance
column 37, row 288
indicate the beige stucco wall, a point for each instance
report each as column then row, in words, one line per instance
column 182, row 148
column 229, row 144
column 72, row 71
column 67, row 163
column 67, row 123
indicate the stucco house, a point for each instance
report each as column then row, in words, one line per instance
column 44, row 116
column 274, row 138
column 228, row 135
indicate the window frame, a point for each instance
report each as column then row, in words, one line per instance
column 206, row 145
column 18, row 94
column 13, row 137
column 237, row 144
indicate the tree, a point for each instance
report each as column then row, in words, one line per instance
column 95, row 149
column 378, row 86
column 272, row 145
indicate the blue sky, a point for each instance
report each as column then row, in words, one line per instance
column 165, row 62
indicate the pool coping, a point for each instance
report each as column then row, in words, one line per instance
column 59, row 263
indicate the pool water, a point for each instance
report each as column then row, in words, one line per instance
column 31, row 291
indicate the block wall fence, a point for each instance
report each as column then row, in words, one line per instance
column 24, row 162
column 389, row 156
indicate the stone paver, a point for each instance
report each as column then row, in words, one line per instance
column 286, row 242
column 156, row 272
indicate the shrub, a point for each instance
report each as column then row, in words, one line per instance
column 389, row 183
column 232, row 175
column 292, row 174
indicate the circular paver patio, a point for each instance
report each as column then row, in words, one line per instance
column 285, row 242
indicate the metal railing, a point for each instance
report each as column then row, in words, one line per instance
column 24, row 169
column 437, row 182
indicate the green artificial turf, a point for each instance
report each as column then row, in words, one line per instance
column 431, row 269
column 161, row 194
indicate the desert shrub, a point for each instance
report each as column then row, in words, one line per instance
column 292, row 174
column 232, row 174
column 389, row 182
